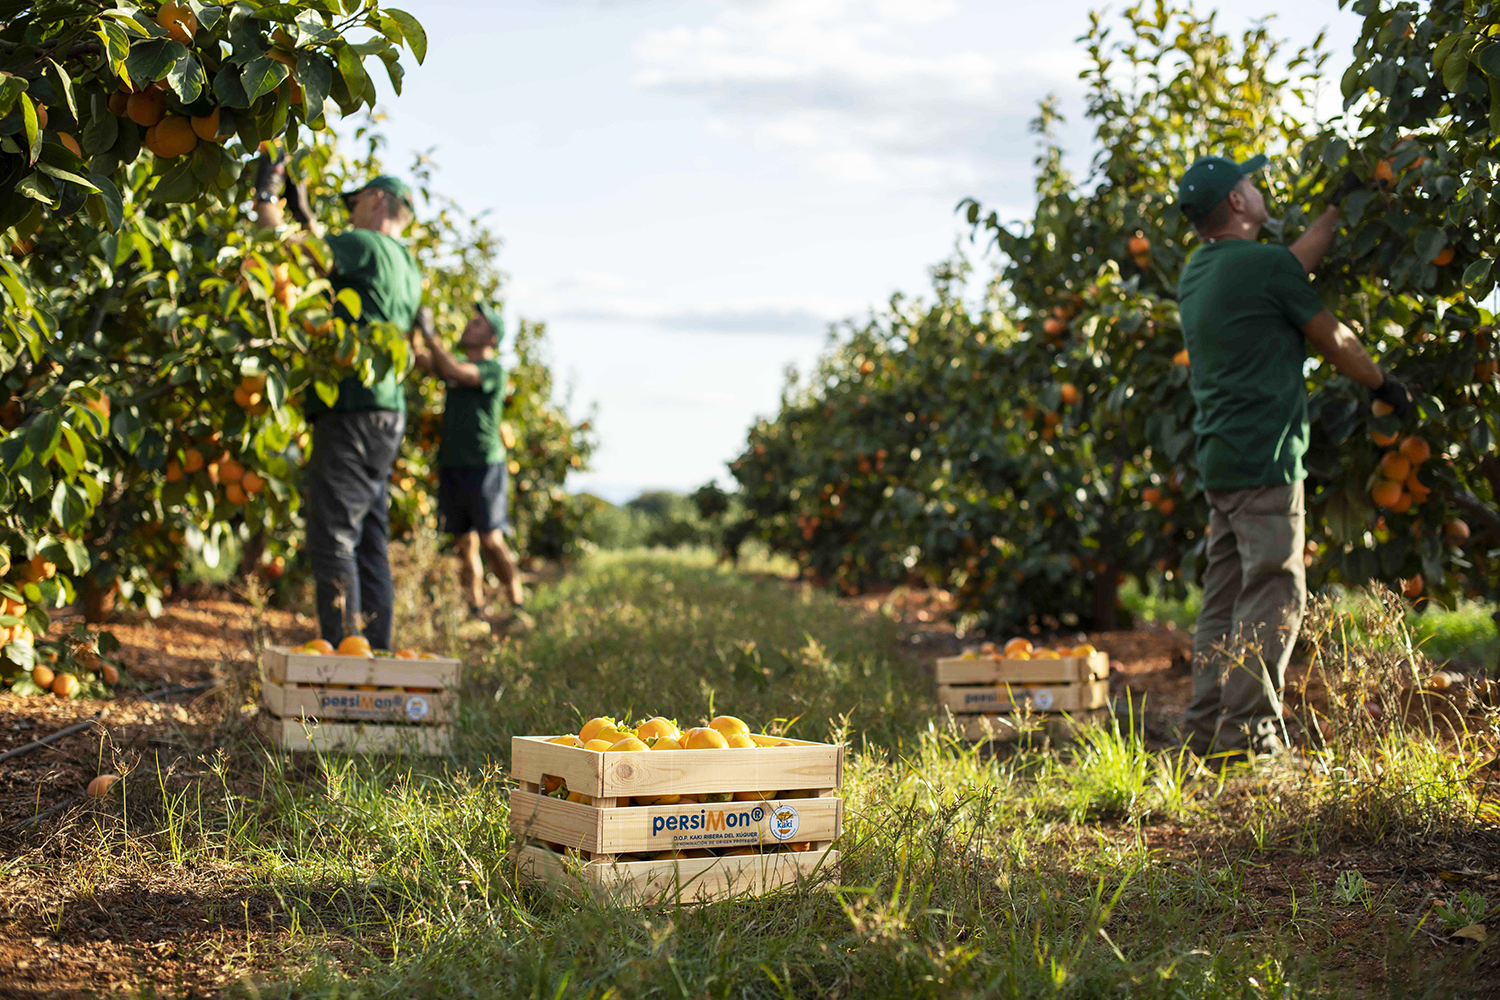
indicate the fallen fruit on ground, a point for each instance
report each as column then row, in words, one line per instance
column 100, row 786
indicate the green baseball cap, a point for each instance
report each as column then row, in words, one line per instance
column 492, row 317
column 1209, row 180
column 390, row 185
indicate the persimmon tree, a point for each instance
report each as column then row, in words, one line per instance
column 157, row 347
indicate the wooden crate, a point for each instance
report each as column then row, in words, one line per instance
column 769, row 768
column 650, row 829
column 684, row 880
column 1008, row 728
column 991, row 670
column 982, row 699
column 354, row 737
column 778, row 796
column 316, row 670
column 380, row 705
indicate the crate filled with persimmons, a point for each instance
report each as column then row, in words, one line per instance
column 354, row 699
column 653, row 812
column 998, row 692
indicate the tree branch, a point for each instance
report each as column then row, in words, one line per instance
column 1482, row 512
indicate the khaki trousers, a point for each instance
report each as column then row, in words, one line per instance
column 1254, row 595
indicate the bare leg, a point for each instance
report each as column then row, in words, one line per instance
column 470, row 573
column 503, row 563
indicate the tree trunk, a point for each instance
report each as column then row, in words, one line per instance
column 99, row 602
column 1106, row 600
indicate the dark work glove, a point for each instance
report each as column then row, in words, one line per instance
column 270, row 177
column 301, row 208
column 1347, row 186
column 1393, row 394
column 424, row 322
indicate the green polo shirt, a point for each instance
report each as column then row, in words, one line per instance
column 1243, row 305
column 471, row 421
column 389, row 284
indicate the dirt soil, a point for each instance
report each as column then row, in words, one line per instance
column 194, row 932
column 193, row 935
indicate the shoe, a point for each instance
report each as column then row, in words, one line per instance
column 475, row 624
column 517, row 621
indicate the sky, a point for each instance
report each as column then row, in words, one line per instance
column 691, row 191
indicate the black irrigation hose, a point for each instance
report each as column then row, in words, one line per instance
column 70, row 730
column 7, row 755
column 169, row 692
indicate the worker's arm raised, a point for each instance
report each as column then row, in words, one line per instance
column 439, row 360
column 1312, row 246
column 1337, row 343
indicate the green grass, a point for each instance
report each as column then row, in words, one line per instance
column 965, row 872
column 1464, row 634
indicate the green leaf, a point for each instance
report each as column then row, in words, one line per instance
column 100, row 133
column 63, row 84
column 11, row 87
column 1443, row 49
column 393, row 70
column 43, row 435
column 33, row 130
column 315, row 74
column 1456, row 68
column 38, row 188
column 116, row 46
column 1476, row 272
column 107, row 193
column 149, row 61
column 1481, row 438
column 1488, row 59
column 186, row 78
column 355, row 80
column 261, row 76
column 1335, row 152
column 22, row 654
column 282, row 12
column 1349, row 84
column 229, row 89
column 350, row 300
column 62, row 174
column 416, row 35
column 1430, row 243
column 177, row 185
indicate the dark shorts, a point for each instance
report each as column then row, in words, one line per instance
column 472, row 499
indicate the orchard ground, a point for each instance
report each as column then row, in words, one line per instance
column 1108, row 868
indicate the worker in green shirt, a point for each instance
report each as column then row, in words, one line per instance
column 1248, row 312
column 355, row 441
column 471, row 459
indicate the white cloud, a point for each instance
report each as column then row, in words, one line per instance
column 842, row 86
column 774, row 317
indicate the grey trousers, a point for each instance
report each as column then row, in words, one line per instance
column 1254, row 595
column 348, row 522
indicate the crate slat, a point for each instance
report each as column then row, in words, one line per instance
column 679, row 772
column 355, row 737
column 686, row 880
column 649, row 829
column 1006, row 728
column 1043, row 698
column 368, row 706
column 1066, row 670
column 286, row 667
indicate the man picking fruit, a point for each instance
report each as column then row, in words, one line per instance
column 355, row 441
column 1248, row 313
column 471, row 458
